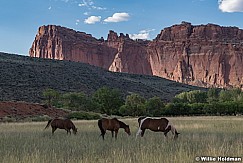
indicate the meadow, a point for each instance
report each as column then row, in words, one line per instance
column 200, row 136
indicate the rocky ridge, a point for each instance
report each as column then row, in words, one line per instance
column 201, row 55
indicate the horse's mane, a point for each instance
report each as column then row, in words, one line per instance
column 140, row 118
column 122, row 124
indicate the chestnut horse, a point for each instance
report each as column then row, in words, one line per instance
column 112, row 125
column 65, row 124
column 156, row 125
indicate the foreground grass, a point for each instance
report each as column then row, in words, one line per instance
column 200, row 136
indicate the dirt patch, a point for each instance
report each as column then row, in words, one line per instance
column 22, row 110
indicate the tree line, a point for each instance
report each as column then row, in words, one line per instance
column 111, row 102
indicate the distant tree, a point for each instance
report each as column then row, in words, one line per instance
column 240, row 97
column 108, row 100
column 197, row 96
column 182, row 97
column 225, row 95
column 177, row 109
column 135, row 105
column 154, row 106
column 124, row 110
column 51, row 96
column 75, row 101
column 235, row 93
column 230, row 95
column 212, row 95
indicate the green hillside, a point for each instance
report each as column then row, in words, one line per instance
column 24, row 78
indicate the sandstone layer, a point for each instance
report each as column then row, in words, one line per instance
column 203, row 55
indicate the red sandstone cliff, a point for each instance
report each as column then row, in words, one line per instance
column 204, row 55
column 116, row 53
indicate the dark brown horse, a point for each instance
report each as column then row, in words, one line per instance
column 112, row 125
column 156, row 125
column 65, row 124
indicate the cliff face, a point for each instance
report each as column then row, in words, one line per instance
column 116, row 53
column 204, row 55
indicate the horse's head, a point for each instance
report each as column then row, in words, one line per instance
column 176, row 135
column 127, row 130
column 75, row 130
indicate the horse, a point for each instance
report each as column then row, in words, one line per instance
column 65, row 124
column 156, row 125
column 112, row 125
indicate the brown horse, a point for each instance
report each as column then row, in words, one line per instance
column 112, row 125
column 156, row 125
column 65, row 124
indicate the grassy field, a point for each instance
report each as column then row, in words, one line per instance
column 200, row 136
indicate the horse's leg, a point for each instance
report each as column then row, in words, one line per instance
column 116, row 132
column 103, row 134
column 112, row 133
column 68, row 131
column 53, row 130
column 142, row 133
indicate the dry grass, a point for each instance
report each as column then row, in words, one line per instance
column 200, row 136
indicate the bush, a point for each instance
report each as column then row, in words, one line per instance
column 197, row 109
column 51, row 96
column 124, row 110
column 154, row 106
column 213, row 102
column 76, row 101
column 8, row 119
column 134, row 105
column 40, row 118
column 177, row 109
column 195, row 96
column 108, row 100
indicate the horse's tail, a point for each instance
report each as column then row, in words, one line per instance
column 101, row 127
column 48, row 124
column 141, row 120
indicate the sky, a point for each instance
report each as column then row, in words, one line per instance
column 144, row 19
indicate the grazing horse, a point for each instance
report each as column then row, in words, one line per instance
column 112, row 125
column 156, row 125
column 65, row 124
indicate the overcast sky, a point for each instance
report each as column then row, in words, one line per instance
column 20, row 19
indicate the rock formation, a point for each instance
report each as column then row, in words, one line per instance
column 116, row 53
column 203, row 55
